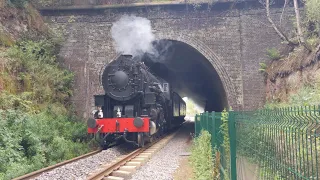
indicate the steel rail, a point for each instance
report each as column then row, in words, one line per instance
column 40, row 171
column 114, row 166
column 108, row 170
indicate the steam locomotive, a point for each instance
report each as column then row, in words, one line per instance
column 136, row 107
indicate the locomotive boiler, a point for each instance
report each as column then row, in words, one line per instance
column 136, row 107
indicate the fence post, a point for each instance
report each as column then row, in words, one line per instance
column 219, row 142
column 233, row 145
column 210, row 128
column 207, row 121
column 196, row 126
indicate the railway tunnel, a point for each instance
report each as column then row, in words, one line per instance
column 189, row 73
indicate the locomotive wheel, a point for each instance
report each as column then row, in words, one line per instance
column 160, row 132
column 105, row 145
column 150, row 140
column 140, row 140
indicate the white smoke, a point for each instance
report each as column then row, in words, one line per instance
column 133, row 35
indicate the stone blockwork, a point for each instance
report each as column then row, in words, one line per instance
column 82, row 3
column 233, row 40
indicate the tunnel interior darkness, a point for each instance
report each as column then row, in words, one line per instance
column 189, row 73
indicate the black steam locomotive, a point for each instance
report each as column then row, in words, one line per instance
column 136, row 106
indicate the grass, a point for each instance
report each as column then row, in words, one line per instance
column 307, row 95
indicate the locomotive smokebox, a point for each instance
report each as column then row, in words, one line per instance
column 120, row 79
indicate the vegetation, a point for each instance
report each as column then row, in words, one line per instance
column 207, row 159
column 273, row 54
column 263, row 67
column 226, row 140
column 300, row 54
column 313, row 12
column 307, row 95
column 305, row 27
column 201, row 156
column 37, row 125
column 37, row 128
column 30, row 142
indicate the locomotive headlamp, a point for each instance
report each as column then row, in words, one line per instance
column 92, row 123
column 100, row 113
column 138, row 122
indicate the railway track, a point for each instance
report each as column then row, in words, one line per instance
column 124, row 166
column 39, row 172
column 119, row 169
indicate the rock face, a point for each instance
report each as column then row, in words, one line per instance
column 233, row 42
column 16, row 22
column 280, row 89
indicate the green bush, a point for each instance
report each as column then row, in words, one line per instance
column 313, row 10
column 37, row 126
column 273, row 54
column 201, row 156
column 30, row 142
column 37, row 72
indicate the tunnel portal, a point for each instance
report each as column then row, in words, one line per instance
column 189, row 73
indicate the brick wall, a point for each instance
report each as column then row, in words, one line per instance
column 75, row 3
column 233, row 41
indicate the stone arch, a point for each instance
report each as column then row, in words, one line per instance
column 212, row 58
column 207, row 53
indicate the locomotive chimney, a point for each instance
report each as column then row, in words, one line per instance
column 127, row 56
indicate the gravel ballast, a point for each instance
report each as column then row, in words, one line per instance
column 164, row 163
column 80, row 169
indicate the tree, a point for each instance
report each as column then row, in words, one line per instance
column 313, row 16
column 275, row 27
column 298, row 19
column 282, row 35
column 313, row 13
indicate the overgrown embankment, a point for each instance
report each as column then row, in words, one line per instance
column 293, row 74
column 293, row 79
column 37, row 125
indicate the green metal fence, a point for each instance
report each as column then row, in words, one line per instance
column 266, row 144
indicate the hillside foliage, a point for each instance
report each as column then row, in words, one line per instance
column 38, row 127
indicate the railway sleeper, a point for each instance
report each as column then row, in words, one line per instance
column 120, row 173
column 113, row 178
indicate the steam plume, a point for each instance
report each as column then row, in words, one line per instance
column 133, row 35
